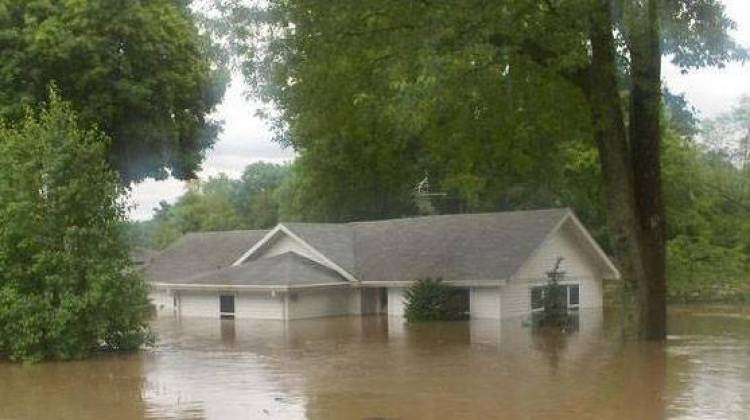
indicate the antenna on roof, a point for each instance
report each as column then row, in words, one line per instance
column 423, row 197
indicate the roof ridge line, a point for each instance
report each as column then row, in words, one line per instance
column 484, row 213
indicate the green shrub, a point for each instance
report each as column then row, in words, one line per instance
column 433, row 300
column 554, row 300
column 67, row 287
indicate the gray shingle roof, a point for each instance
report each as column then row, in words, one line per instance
column 287, row 269
column 334, row 240
column 486, row 246
column 199, row 252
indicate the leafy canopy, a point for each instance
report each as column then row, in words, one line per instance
column 373, row 95
column 66, row 284
column 219, row 203
column 489, row 99
column 139, row 69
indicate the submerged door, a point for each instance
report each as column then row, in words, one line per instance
column 226, row 306
column 383, row 301
column 374, row 301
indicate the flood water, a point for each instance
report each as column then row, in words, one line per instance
column 378, row 368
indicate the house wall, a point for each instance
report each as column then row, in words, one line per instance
column 261, row 305
column 162, row 301
column 396, row 301
column 284, row 243
column 484, row 302
column 257, row 306
column 205, row 304
column 320, row 303
column 579, row 265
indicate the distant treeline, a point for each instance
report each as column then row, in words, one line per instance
column 219, row 203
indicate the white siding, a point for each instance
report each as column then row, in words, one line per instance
column 246, row 305
column 198, row 304
column 355, row 301
column 283, row 243
column 396, row 301
column 320, row 303
column 484, row 302
column 257, row 306
column 578, row 264
column 162, row 301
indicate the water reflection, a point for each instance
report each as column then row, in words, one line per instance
column 380, row 367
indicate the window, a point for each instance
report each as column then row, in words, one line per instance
column 537, row 298
column 572, row 292
column 226, row 306
column 573, row 299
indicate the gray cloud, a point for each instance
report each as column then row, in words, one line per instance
column 245, row 139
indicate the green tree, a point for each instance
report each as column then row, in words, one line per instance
column 433, row 300
column 255, row 198
column 554, row 299
column 729, row 134
column 66, row 284
column 220, row 203
column 486, row 96
column 139, row 69
column 709, row 217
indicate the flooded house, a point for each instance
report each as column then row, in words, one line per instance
column 309, row 270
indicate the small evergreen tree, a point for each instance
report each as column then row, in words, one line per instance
column 66, row 284
column 433, row 300
column 555, row 298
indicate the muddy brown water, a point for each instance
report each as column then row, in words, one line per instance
column 379, row 368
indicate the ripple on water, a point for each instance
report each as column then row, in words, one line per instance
column 381, row 368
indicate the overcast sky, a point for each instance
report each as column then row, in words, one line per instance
column 247, row 139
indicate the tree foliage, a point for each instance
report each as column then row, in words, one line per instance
column 554, row 299
column 219, row 203
column 708, row 196
column 486, row 97
column 729, row 134
column 389, row 91
column 66, row 284
column 433, row 300
column 139, row 69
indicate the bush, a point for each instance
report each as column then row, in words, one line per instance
column 67, row 287
column 554, row 300
column 433, row 300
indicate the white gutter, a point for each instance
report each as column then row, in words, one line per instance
column 272, row 288
column 460, row 283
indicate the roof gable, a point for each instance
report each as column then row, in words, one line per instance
column 586, row 243
column 335, row 241
column 200, row 251
column 328, row 244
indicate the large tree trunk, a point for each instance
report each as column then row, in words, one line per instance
column 614, row 156
column 645, row 147
column 629, row 156
column 631, row 177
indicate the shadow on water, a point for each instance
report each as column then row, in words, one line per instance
column 380, row 367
